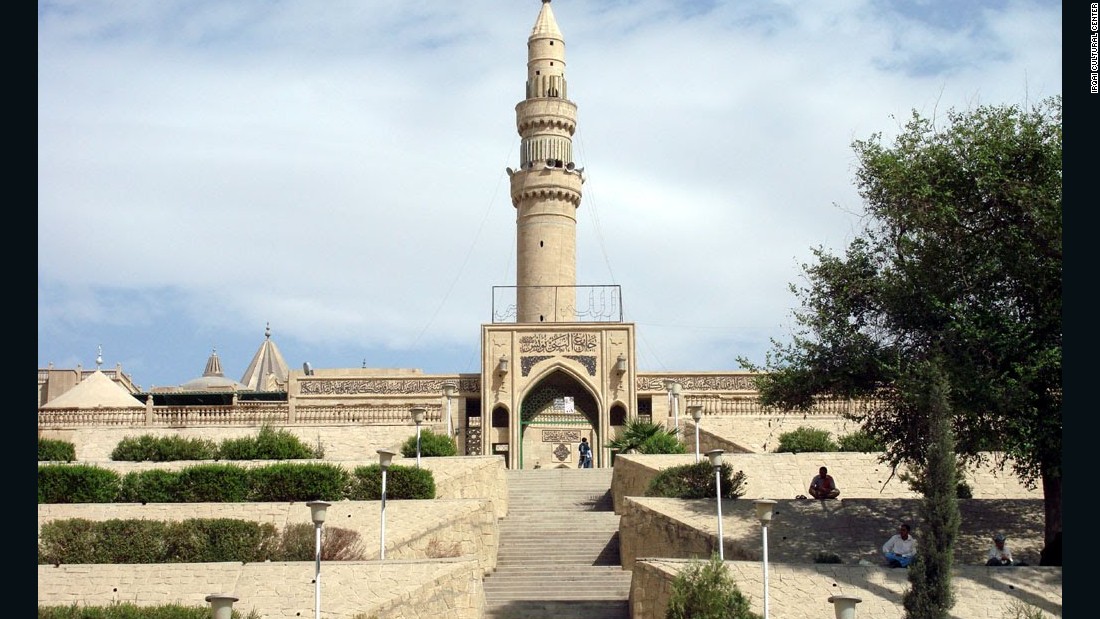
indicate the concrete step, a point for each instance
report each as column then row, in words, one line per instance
column 558, row 609
column 559, row 549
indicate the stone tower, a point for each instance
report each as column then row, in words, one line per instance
column 564, row 369
column 546, row 189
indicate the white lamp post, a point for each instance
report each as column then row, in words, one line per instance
column 764, row 510
column 449, row 391
column 417, row 413
column 222, row 605
column 844, row 606
column 715, row 456
column 317, row 511
column 696, row 412
column 384, row 458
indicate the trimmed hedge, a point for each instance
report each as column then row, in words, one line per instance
column 76, row 483
column 431, row 445
column 860, row 441
column 197, row 540
column 229, row 483
column 53, row 450
column 129, row 610
column 268, row 444
column 806, row 440
column 402, row 482
column 200, row 540
column 696, row 481
column 149, row 448
column 299, row 482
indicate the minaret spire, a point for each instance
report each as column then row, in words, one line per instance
column 546, row 189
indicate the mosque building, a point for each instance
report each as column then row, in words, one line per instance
column 558, row 362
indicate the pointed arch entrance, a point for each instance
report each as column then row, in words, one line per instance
column 555, row 414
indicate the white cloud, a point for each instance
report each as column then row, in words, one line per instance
column 337, row 169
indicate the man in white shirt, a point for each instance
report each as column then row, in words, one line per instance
column 999, row 554
column 901, row 548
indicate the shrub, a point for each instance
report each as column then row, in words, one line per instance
column 53, row 450
column 860, row 441
column 152, row 486
column 696, row 481
column 706, row 591
column 438, row 550
column 299, row 543
column 827, row 557
column 1018, row 609
column 431, row 444
column 647, row 438
column 76, row 483
column 149, row 448
column 806, row 440
column 298, row 482
column 662, row 443
column 211, row 540
column 213, row 483
column 916, row 479
column 70, row 541
column 129, row 610
column 402, row 482
column 268, row 444
column 116, row 541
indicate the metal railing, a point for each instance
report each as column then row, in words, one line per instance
column 588, row 303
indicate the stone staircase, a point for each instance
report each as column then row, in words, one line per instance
column 559, row 549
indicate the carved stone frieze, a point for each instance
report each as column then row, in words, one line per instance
column 728, row 382
column 558, row 342
column 561, row 436
column 383, row 386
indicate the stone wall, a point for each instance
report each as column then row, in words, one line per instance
column 786, row 475
column 803, row 591
column 393, row 589
column 760, row 433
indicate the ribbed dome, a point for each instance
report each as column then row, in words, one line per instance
column 268, row 371
column 212, row 378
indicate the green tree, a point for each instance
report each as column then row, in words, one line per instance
column 930, row 596
column 961, row 258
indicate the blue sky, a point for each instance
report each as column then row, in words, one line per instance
column 336, row 169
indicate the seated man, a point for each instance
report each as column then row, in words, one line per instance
column 999, row 554
column 901, row 548
column 823, row 486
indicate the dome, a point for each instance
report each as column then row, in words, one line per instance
column 212, row 378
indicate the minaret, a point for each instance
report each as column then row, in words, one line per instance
column 546, row 189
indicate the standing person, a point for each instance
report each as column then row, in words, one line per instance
column 901, row 548
column 823, row 486
column 585, row 450
column 999, row 554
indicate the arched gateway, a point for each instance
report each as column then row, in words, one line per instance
column 555, row 415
